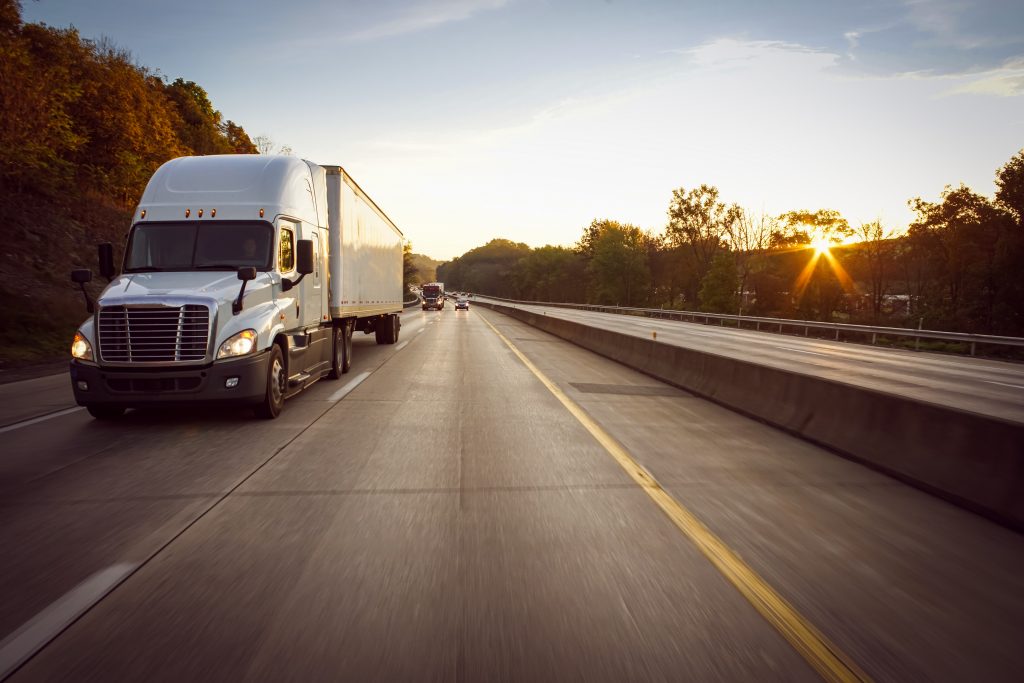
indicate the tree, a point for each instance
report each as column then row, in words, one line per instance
column 489, row 269
column 875, row 251
column 37, row 96
column 552, row 273
column 966, row 242
column 1010, row 184
column 698, row 220
column 750, row 237
column 264, row 145
column 408, row 267
column 718, row 289
column 238, row 140
column 826, row 225
column 618, row 268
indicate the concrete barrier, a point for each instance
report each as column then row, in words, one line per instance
column 974, row 460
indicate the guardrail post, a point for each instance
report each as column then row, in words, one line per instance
column 758, row 325
column 874, row 338
column 972, row 348
column 837, row 334
column 917, row 343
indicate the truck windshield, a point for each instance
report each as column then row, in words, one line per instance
column 431, row 291
column 199, row 246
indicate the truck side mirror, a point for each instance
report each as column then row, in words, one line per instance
column 245, row 274
column 80, row 276
column 305, row 257
column 106, row 254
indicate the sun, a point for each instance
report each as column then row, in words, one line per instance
column 821, row 245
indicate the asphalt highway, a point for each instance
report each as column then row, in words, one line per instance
column 987, row 387
column 481, row 501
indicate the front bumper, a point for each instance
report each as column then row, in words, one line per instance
column 134, row 387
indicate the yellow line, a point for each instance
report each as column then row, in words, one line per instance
column 821, row 654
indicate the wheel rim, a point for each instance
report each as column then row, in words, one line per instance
column 277, row 382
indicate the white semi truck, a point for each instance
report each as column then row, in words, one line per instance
column 243, row 280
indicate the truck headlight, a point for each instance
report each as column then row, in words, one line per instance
column 238, row 345
column 81, row 348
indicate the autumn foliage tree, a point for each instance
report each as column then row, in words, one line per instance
column 77, row 113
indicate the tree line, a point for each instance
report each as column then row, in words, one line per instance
column 957, row 267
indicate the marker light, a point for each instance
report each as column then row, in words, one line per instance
column 187, row 212
column 238, row 345
column 143, row 215
column 81, row 348
column 200, row 213
column 261, row 213
column 213, row 213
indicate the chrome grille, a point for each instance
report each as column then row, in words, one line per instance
column 153, row 334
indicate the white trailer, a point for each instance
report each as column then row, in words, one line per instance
column 243, row 280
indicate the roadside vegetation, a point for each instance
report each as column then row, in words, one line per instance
column 956, row 268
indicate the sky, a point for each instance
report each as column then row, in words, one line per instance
column 467, row 120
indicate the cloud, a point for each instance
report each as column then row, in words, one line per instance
column 423, row 16
column 1006, row 81
column 731, row 53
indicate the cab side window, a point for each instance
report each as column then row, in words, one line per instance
column 286, row 256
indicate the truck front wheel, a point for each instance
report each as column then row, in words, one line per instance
column 273, row 399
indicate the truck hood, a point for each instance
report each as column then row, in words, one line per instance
column 217, row 287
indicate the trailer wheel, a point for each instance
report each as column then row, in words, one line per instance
column 387, row 329
column 277, row 378
column 342, row 359
column 105, row 412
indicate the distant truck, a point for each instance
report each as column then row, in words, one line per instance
column 433, row 295
column 243, row 281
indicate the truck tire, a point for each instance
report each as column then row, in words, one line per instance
column 341, row 362
column 387, row 329
column 105, row 412
column 277, row 381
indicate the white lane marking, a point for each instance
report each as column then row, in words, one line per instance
column 790, row 348
column 420, row 330
column 1015, row 386
column 37, row 420
column 401, row 346
column 16, row 648
column 343, row 392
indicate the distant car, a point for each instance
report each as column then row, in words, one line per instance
column 463, row 304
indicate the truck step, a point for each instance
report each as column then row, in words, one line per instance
column 296, row 380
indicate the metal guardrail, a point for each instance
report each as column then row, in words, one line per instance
column 779, row 324
column 409, row 303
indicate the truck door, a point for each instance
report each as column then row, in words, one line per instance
column 312, row 285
